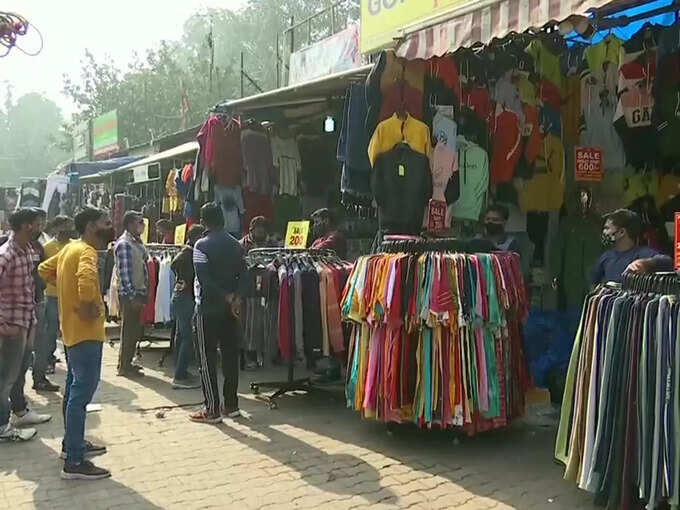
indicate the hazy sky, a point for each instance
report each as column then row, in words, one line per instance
column 68, row 27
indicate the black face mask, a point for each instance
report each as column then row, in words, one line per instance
column 493, row 229
column 608, row 240
column 106, row 235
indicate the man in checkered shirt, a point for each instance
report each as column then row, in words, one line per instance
column 17, row 317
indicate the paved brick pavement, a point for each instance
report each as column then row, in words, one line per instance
column 310, row 453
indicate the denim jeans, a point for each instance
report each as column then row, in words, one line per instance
column 183, row 312
column 230, row 200
column 84, row 364
column 14, row 357
column 44, row 345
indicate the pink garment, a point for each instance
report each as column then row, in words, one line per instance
column 444, row 164
column 371, row 389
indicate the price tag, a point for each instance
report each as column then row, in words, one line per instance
column 676, row 241
column 588, row 164
column 296, row 234
column 145, row 233
column 402, row 171
column 180, row 233
column 436, row 215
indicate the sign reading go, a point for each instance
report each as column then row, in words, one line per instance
column 383, row 20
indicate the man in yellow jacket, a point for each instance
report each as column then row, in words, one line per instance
column 81, row 312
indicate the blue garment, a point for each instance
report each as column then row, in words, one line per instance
column 611, row 264
column 220, row 268
column 183, row 312
column 84, row 365
column 231, row 202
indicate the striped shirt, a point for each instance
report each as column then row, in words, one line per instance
column 16, row 281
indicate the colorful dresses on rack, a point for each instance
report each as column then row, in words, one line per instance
column 436, row 339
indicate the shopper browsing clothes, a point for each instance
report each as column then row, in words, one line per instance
column 165, row 231
column 183, row 310
column 621, row 234
column 74, row 273
column 17, row 317
column 326, row 233
column 220, row 269
column 62, row 229
column 133, row 275
column 258, row 233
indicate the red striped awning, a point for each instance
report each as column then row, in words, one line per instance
column 495, row 19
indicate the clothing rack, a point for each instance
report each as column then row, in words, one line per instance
column 655, row 283
column 436, row 244
column 267, row 255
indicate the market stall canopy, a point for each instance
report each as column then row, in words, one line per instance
column 85, row 168
column 481, row 21
column 154, row 158
column 313, row 91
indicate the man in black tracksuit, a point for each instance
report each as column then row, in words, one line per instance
column 220, row 269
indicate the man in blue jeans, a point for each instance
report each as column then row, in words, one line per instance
column 183, row 310
column 81, row 312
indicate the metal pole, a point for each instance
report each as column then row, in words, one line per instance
column 241, row 74
column 309, row 33
column 292, row 44
column 333, row 19
column 278, row 62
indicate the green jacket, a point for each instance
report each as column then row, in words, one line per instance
column 575, row 249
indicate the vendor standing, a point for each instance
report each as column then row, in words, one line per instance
column 258, row 233
column 621, row 233
column 326, row 233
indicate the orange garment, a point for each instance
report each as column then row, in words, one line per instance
column 532, row 133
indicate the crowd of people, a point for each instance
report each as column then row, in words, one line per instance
column 49, row 287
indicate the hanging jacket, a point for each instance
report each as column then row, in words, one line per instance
column 402, row 186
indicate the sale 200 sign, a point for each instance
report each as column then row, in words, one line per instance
column 588, row 164
column 296, row 235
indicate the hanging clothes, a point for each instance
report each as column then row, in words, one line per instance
column 165, row 284
column 436, row 339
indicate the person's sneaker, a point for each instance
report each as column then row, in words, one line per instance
column 10, row 433
column 30, row 417
column 231, row 413
column 202, row 416
column 50, row 369
column 84, row 471
column 91, row 450
column 134, row 372
column 185, row 384
column 44, row 384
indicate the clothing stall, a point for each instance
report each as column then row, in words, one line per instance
column 292, row 311
column 436, row 336
column 619, row 428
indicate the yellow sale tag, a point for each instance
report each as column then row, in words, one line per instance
column 402, row 171
column 296, row 234
column 180, row 233
column 145, row 233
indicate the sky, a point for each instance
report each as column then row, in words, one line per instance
column 69, row 27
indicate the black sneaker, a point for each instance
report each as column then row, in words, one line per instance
column 44, row 384
column 134, row 372
column 84, row 471
column 91, row 450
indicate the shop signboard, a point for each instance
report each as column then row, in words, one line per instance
column 436, row 215
column 339, row 52
column 296, row 235
column 180, row 233
column 105, row 134
column 382, row 21
column 81, row 141
column 588, row 164
column 676, row 240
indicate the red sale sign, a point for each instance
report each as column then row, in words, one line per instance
column 436, row 215
column 588, row 164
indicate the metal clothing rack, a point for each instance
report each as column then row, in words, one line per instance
column 654, row 283
column 291, row 383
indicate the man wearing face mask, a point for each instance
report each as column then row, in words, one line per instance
column 494, row 227
column 133, row 274
column 46, row 338
column 74, row 273
column 620, row 236
column 325, row 230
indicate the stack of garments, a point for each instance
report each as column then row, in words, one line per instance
column 620, row 422
column 436, row 339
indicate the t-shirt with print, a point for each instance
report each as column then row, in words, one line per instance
column 444, row 130
column 473, row 167
column 506, row 147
